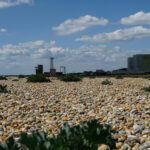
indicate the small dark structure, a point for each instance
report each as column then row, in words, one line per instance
column 59, row 73
column 46, row 74
column 52, row 72
column 100, row 72
column 88, row 73
column 39, row 69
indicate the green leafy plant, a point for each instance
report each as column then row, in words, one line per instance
column 119, row 77
column 107, row 82
column 86, row 136
column 21, row 76
column 3, row 89
column 146, row 89
column 92, row 77
column 15, row 80
column 69, row 78
column 37, row 78
column 3, row 78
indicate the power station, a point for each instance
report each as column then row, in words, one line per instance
column 52, row 72
column 138, row 64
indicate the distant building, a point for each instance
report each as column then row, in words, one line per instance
column 120, row 71
column 47, row 74
column 139, row 63
column 59, row 73
column 52, row 72
column 88, row 73
column 39, row 69
column 108, row 72
column 100, row 72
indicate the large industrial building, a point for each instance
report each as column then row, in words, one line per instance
column 139, row 63
column 52, row 72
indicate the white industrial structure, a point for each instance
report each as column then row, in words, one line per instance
column 63, row 69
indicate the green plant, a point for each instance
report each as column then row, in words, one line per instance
column 3, row 78
column 21, row 76
column 86, row 136
column 69, row 78
column 37, row 78
column 146, row 89
column 3, row 89
column 107, row 82
column 119, row 77
column 15, row 80
column 92, row 77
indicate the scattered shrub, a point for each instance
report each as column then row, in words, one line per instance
column 86, row 136
column 92, row 77
column 3, row 78
column 106, row 82
column 69, row 78
column 37, row 78
column 119, row 77
column 15, row 80
column 146, row 89
column 21, row 76
column 3, row 89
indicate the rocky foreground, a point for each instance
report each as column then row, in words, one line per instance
column 46, row 106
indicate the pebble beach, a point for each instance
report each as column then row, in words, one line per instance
column 46, row 106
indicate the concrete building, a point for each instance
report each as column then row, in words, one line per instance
column 139, row 63
column 100, row 72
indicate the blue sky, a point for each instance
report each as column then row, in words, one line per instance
column 80, row 34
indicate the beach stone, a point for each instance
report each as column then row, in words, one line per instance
column 136, row 146
column 144, row 146
column 118, row 145
column 32, row 129
column 134, row 111
column 133, row 139
column 146, row 132
column 137, row 129
column 47, row 106
column 124, row 147
column 1, row 133
column 103, row 147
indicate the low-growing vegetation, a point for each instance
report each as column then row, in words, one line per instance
column 38, row 78
column 119, row 77
column 92, row 77
column 107, row 82
column 21, row 76
column 3, row 89
column 146, row 89
column 3, row 78
column 15, row 80
column 86, row 136
column 70, row 78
